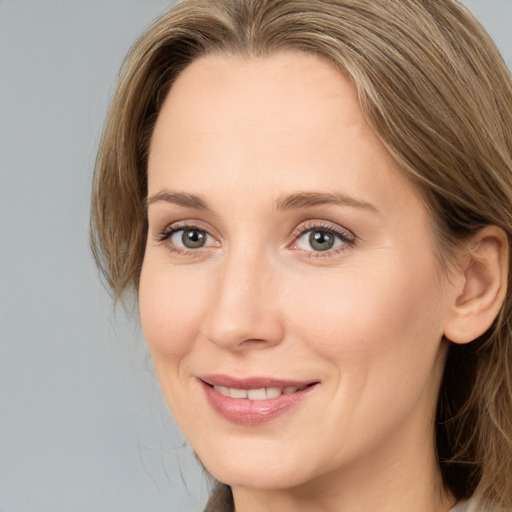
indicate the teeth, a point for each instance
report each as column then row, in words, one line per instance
column 238, row 393
column 223, row 390
column 255, row 394
column 273, row 392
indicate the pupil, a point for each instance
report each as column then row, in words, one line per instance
column 193, row 238
column 321, row 241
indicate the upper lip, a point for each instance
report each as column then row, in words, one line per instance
column 253, row 382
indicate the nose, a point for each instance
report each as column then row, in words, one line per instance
column 245, row 312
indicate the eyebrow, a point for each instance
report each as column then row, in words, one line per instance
column 307, row 199
column 178, row 198
column 291, row 202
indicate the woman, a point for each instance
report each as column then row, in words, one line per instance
column 312, row 201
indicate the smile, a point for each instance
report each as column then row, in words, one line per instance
column 253, row 401
column 256, row 394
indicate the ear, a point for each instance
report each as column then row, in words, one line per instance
column 484, row 271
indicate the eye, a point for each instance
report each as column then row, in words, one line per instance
column 190, row 238
column 322, row 239
column 319, row 240
column 186, row 239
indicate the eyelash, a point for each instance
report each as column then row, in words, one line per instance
column 346, row 237
column 165, row 236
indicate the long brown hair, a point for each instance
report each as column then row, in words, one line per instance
column 433, row 87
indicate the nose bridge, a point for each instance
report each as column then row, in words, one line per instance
column 245, row 308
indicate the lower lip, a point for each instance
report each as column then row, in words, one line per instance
column 253, row 412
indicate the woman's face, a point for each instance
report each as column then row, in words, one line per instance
column 289, row 293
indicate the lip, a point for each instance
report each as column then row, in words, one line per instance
column 245, row 411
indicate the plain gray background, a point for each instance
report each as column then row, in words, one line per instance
column 83, row 427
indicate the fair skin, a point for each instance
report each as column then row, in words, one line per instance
column 359, row 314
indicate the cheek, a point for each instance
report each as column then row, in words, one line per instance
column 386, row 321
column 379, row 336
column 171, row 307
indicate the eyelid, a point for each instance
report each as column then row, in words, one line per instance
column 164, row 236
column 174, row 226
column 348, row 239
column 346, row 236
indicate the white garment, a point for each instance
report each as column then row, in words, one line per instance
column 469, row 506
column 463, row 506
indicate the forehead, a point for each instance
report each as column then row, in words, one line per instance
column 294, row 75
column 224, row 91
column 286, row 123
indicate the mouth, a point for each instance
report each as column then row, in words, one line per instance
column 253, row 400
column 258, row 393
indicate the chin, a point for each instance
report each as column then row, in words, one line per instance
column 257, row 469
column 250, row 478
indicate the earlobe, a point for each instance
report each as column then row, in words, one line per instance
column 484, row 286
